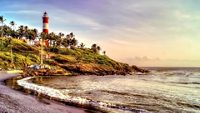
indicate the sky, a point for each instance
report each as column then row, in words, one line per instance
column 139, row 32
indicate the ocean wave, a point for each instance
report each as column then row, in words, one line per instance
column 55, row 93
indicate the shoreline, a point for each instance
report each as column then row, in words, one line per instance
column 54, row 94
column 12, row 101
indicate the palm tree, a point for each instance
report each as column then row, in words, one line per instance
column 98, row 48
column 13, row 33
column 43, row 36
column 74, row 43
column 35, row 33
column 71, row 35
column 21, row 31
column 2, row 20
column 58, row 41
column 7, row 30
column 104, row 52
column 26, row 31
column 61, row 35
column 65, row 42
column 52, row 37
column 68, row 36
column 82, row 45
column 95, row 48
column 12, row 23
column 31, row 34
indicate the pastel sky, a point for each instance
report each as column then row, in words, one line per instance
column 141, row 32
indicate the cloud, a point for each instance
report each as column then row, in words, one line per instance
column 157, row 62
column 155, row 28
column 120, row 42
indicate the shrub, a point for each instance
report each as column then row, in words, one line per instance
column 64, row 59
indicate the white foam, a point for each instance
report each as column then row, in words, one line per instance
column 56, row 93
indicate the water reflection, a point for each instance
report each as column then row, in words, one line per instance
column 159, row 92
column 163, row 91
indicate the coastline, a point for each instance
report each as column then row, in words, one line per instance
column 12, row 101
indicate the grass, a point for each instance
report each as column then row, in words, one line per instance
column 78, row 59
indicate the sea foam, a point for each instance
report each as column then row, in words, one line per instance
column 55, row 93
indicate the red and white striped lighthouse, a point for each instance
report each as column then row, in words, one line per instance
column 45, row 23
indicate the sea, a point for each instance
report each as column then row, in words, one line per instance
column 163, row 90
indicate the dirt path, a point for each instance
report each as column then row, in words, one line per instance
column 12, row 101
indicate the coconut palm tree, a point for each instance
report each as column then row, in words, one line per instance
column 13, row 33
column 21, row 31
column 104, row 52
column 65, row 42
column 98, row 48
column 7, row 30
column 43, row 36
column 35, row 33
column 82, row 45
column 31, row 34
column 58, row 41
column 2, row 20
column 68, row 36
column 52, row 38
column 61, row 35
column 95, row 48
column 71, row 35
column 74, row 43
column 26, row 30
column 12, row 23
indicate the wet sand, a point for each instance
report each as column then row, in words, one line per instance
column 12, row 101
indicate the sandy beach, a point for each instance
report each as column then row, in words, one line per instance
column 12, row 101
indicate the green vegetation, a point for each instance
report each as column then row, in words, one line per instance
column 22, row 54
column 79, row 60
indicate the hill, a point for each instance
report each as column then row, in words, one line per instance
column 77, row 60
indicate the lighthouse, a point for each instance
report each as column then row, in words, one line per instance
column 45, row 23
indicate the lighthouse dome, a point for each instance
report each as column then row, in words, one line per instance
column 45, row 14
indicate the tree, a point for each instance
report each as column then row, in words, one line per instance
column 12, row 23
column 52, row 38
column 35, row 33
column 2, row 20
column 74, row 43
column 21, row 31
column 7, row 30
column 68, row 36
column 58, row 42
column 26, row 31
column 95, row 48
column 71, row 35
column 13, row 33
column 82, row 45
column 43, row 36
column 98, row 48
column 31, row 34
column 61, row 35
column 70, row 41
column 104, row 52
column 65, row 42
